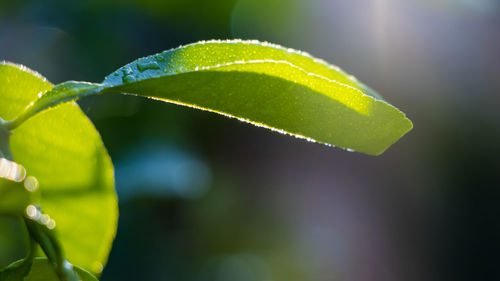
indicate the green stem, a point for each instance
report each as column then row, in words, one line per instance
column 31, row 250
column 64, row 92
column 4, row 140
column 12, row 124
column 38, row 234
column 52, row 249
column 28, row 260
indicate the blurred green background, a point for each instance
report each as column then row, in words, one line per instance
column 207, row 198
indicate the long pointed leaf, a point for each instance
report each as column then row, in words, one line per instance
column 285, row 90
column 267, row 85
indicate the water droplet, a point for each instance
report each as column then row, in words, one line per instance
column 127, row 71
column 67, row 266
column 31, row 184
column 128, row 79
column 44, row 219
column 97, row 267
column 32, row 212
column 51, row 224
column 11, row 170
column 143, row 66
column 197, row 68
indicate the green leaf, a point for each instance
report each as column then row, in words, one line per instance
column 14, row 197
column 67, row 91
column 261, row 83
column 41, row 229
column 15, row 271
column 21, row 268
column 63, row 150
column 270, row 86
column 16, row 191
column 41, row 270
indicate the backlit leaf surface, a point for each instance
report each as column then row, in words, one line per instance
column 285, row 90
column 63, row 150
column 270, row 86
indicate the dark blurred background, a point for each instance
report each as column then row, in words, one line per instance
column 207, row 198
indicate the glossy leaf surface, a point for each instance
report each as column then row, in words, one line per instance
column 62, row 149
column 270, row 86
column 261, row 83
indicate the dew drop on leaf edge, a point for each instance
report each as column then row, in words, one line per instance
column 143, row 66
column 128, row 79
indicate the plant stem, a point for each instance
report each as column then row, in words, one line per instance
column 38, row 233
column 4, row 141
column 52, row 249
column 64, row 92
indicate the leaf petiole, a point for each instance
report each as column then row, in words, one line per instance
column 51, row 247
column 4, row 141
column 64, row 92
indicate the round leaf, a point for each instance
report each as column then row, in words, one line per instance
column 61, row 148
